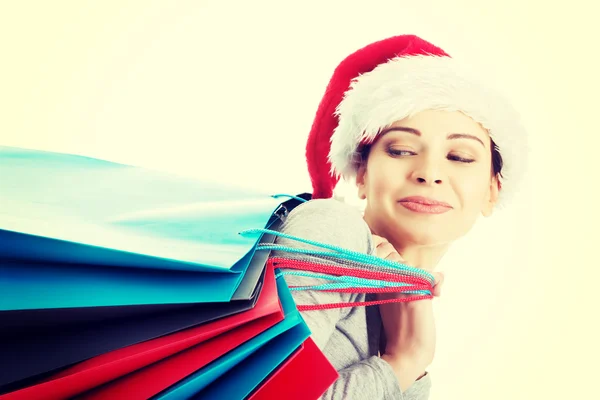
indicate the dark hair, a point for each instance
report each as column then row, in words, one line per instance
column 497, row 162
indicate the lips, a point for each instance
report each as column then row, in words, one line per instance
column 425, row 205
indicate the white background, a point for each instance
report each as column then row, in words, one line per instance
column 227, row 90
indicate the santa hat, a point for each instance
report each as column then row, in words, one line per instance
column 393, row 79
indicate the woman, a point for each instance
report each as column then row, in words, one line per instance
column 430, row 149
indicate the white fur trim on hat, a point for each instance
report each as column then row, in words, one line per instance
column 404, row 86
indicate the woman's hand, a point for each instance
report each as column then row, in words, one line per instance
column 409, row 327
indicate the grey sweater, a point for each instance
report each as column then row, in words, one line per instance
column 348, row 337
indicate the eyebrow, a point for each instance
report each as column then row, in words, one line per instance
column 418, row 133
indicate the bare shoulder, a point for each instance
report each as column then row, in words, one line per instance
column 328, row 221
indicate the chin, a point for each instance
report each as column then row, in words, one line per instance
column 425, row 238
column 429, row 229
column 426, row 232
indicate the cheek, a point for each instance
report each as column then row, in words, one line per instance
column 474, row 190
column 383, row 178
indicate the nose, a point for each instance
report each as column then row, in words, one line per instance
column 425, row 180
column 428, row 172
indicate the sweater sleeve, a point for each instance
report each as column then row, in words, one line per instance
column 332, row 222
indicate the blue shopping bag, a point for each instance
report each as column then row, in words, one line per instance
column 30, row 286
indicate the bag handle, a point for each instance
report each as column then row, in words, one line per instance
column 337, row 252
column 362, row 273
column 400, row 287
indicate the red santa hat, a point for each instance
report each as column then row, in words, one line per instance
column 393, row 79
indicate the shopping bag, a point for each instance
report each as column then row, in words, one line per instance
column 70, row 209
column 66, row 218
column 107, row 367
column 191, row 370
column 77, row 336
column 145, row 274
column 305, row 375
column 46, row 321
column 246, row 376
column 224, row 369
column 78, row 339
column 30, row 286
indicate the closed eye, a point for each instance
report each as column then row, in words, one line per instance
column 453, row 157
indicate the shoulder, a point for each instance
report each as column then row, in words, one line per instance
column 327, row 208
column 329, row 221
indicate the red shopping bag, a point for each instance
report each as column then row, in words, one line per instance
column 147, row 382
column 306, row 375
column 110, row 366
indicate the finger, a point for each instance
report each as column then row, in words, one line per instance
column 377, row 240
column 395, row 256
column 386, row 249
column 391, row 254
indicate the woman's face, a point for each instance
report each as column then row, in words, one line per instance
column 433, row 157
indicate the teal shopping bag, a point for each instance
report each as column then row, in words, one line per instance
column 70, row 209
column 82, row 232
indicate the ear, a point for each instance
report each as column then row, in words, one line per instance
column 361, row 176
column 492, row 196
